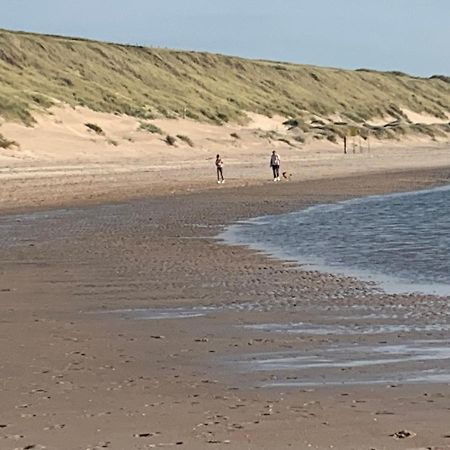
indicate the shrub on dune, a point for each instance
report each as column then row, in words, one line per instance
column 95, row 128
column 7, row 143
column 150, row 128
column 186, row 139
column 170, row 140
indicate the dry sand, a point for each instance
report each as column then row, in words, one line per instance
column 76, row 376
column 60, row 161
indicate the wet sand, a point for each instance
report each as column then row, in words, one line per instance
column 86, row 365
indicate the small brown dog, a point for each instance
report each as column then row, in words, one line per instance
column 287, row 176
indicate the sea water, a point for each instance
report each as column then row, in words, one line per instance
column 401, row 241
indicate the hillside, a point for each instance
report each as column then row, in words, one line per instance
column 37, row 70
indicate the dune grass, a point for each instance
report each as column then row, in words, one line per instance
column 95, row 128
column 170, row 140
column 150, row 128
column 335, row 132
column 37, row 71
column 7, row 143
column 186, row 139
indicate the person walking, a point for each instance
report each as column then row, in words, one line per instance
column 275, row 165
column 219, row 167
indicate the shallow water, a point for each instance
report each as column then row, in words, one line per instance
column 413, row 362
column 160, row 314
column 401, row 241
column 328, row 362
column 342, row 330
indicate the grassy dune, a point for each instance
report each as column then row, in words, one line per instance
column 37, row 70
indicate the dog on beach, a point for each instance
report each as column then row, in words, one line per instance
column 286, row 175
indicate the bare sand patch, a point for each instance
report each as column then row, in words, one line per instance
column 424, row 118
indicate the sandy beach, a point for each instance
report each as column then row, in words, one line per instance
column 87, row 364
column 61, row 162
column 147, row 304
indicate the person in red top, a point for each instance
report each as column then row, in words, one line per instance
column 219, row 167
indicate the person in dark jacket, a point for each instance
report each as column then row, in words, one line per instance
column 275, row 165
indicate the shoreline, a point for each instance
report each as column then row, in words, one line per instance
column 238, row 234
column 111, row 381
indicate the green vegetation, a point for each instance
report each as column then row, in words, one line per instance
column 37, row 71
column 186, row 139
column 286, row 141
column 269, row 135
column 334, row 132
column 6, row 143
column 170, row 140
column 150, row 128
column 95, row 128
column 112, row 142
column 300, row 138
column 292, row 123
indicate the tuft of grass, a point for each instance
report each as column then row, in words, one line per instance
column 112, row 142
column 170, row 140
column 291, row 123
column 235, row 135
column 332, row 138
column 151, row 128
column 42, row 100
column 95, row 128
column 286, row 141
column 269, row 135
column 7, row 143
column 223, row 117
column 443, row 78
column 186, row 139
column 15, row 109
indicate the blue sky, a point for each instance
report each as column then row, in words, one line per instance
column 407, row 35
